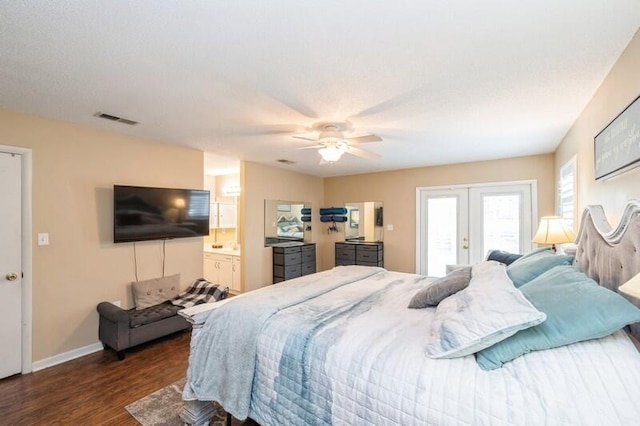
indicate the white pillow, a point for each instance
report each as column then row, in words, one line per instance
column 489, row 310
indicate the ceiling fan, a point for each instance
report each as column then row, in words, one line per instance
column 332, row 143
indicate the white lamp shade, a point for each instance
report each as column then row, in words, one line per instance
column 553, row 231
column 331, row 153
column 631, row 287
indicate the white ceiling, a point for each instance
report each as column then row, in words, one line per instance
column 441, row 82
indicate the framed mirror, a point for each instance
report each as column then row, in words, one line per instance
column 284, row 222
column 365, row 221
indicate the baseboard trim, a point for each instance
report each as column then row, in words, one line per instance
column 66, row 356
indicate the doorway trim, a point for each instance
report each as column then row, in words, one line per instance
column 421, row 189
column 27, row 266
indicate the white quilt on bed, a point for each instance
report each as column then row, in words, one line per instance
column 223, row 349
column 356, row 356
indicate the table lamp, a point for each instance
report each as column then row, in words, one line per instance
column 552, row 231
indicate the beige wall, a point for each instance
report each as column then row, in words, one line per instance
column 397, row 190
column 74, row 170
column 269, row 183
column 618, row 90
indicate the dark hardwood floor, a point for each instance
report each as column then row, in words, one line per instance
column 94, row 389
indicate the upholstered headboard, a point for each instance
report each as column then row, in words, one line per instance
column 610, row 256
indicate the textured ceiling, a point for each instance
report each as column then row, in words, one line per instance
column 441, row 82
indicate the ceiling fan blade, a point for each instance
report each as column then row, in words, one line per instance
column 305, row 138
column 362, row 153
column 364, row 139
column 311, row 147
column 262, row 129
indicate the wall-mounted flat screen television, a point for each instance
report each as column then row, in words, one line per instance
column 144, row 213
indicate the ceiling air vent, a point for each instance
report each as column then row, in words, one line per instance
column 283, row 161
column 115, row 118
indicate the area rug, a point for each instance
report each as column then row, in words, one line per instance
column 163, row 407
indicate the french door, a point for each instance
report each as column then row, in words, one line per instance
column 458, row 225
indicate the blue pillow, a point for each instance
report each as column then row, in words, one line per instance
column 537, row 252
column 503, row 256
column 577, row 309
column 533, row 264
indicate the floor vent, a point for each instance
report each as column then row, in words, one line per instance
column 283, row 161
column 115, row 118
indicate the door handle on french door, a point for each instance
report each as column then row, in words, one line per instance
column 11, row 276
column 465, row 244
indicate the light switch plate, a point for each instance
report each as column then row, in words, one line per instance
column 389, row 227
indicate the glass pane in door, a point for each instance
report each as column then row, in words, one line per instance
column 442, row 234
column 501, row 222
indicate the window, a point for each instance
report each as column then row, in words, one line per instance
column 198, row 204
column 567, row 193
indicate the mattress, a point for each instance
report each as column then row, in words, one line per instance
column 356, row 356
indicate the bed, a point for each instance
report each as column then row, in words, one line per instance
column 341, row 347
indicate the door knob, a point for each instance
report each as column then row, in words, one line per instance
column 11, row 276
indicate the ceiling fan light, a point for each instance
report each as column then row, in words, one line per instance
column 331, row 154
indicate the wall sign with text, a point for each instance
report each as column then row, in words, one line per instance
column 617, row 147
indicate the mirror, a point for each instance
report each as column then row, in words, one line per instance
column 364, row 221
column 284, row 222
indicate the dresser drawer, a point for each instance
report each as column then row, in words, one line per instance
column 287, row 272
column 344, row 262
column 365, row 263
column 308, row 248
column 308, row 268
column 308, row 256
column 345, row 253
column 368, row 255
column 287, row 259
column 286, row 250
column 369, row 248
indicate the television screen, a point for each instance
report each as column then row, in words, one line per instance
column 144, row 213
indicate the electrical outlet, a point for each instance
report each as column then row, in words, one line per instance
column 117, row 303
column 43, row 239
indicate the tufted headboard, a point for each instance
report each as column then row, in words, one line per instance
column 610, row 256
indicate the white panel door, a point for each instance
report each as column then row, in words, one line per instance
column 444, row 228
column 10, row 264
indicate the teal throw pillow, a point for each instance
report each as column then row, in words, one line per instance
column 537, row 252
column 533, row 264
column 577, row 309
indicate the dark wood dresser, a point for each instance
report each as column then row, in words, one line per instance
column 360, row 253
column 292, row 260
